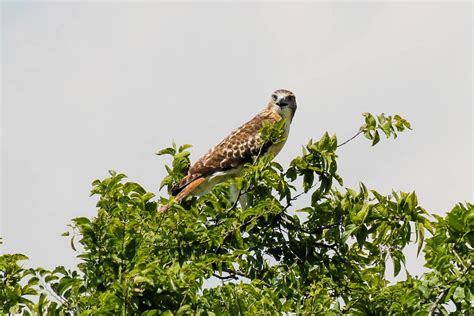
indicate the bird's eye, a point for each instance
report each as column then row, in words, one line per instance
column 274, row 97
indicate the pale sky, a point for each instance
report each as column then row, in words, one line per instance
column 93, row 86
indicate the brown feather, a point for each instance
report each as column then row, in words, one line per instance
column 237, row 148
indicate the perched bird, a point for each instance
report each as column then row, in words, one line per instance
column 226, row 160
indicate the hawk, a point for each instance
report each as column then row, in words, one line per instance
column 226, row 160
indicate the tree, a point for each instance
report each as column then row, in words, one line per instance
column 271, row 257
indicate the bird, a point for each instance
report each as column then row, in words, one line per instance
column 227, row 159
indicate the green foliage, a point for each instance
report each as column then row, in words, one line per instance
column 388, row 125
column 180, row 166
column 326, row 257
column 15, row 298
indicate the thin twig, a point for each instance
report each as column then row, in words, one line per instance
column 235, row 203
column 321, row 244
column 435, row 304
column 236, row 272
column 310, row 231
column 58, row 297
column 342, row 144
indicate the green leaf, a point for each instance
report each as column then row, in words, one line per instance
column 142, row 279
column 184, row 310
column 396, row 266
column 81, row 221
column 167, row 151
column 455, row 223
column 72, row 244
column 238, row 238
column 348, row 232
column 172, row 285
column 369, row 120
column 184, row 147
column 376, row 138
column 458, row 294
column 421, row 236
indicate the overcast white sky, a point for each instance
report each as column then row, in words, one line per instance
column 88, row 87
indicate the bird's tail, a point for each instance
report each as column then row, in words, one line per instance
column 186, row 191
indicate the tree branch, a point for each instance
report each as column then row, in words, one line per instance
column 235, row 273
column 321, row 244
column 225, row 278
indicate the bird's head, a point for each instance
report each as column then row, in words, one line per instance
column 284, row 103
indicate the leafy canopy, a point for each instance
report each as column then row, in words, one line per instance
column 328, row 256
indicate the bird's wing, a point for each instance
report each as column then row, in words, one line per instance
column 236, row 149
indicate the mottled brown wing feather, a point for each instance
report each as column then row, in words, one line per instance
column 237, row 148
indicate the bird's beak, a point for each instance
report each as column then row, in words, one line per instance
column 282, row 103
